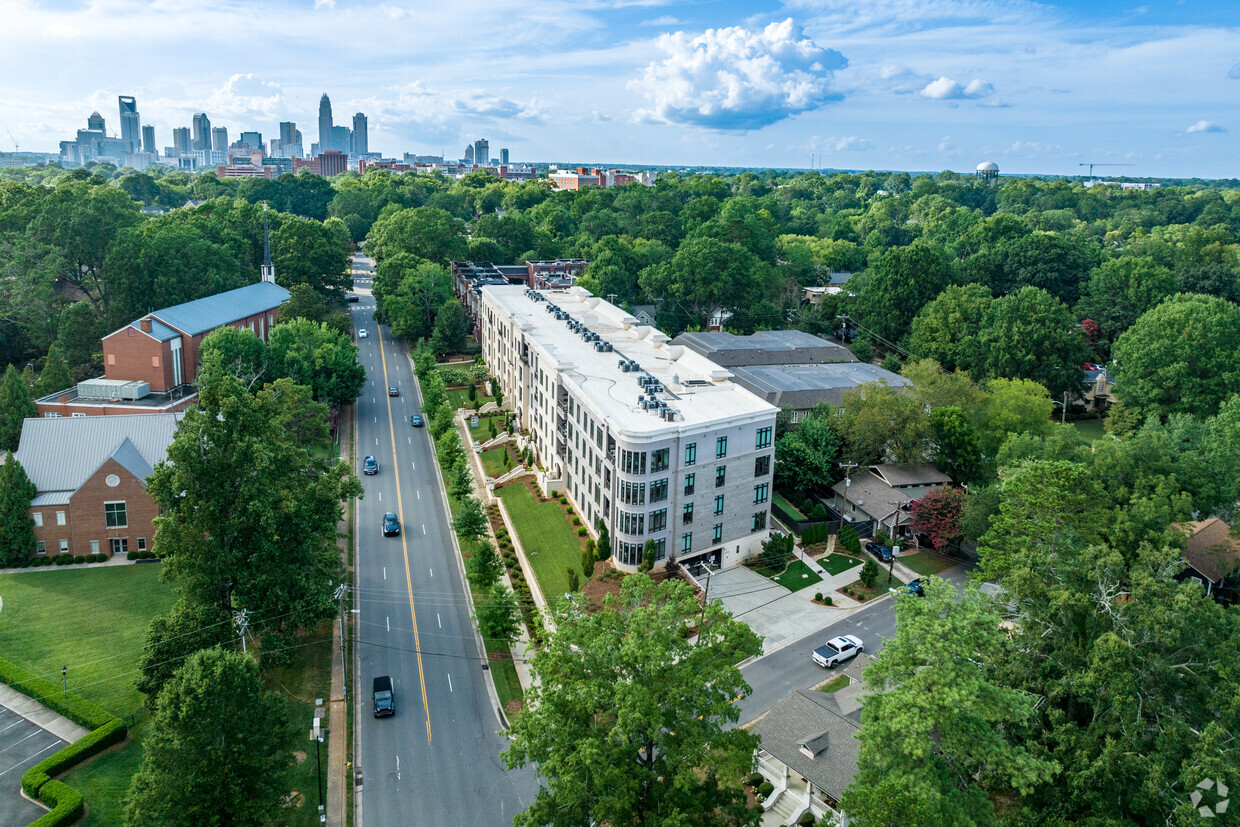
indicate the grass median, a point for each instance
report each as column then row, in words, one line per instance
column 550, row 542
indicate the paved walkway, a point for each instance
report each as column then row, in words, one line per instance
column 39, row 715
column 338, row 765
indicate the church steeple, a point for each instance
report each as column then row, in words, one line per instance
column 268, row 269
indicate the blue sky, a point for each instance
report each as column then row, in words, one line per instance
column 884, row 84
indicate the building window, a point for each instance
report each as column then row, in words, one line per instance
column 633, row 493
column 114, row 515
column 119, row 545
column 691, row 453
column 762, row 466
column 660, row 548
column 658, row 491
column 763, row 439
column 94, row 546
column 761, row 492
column 720, row 476
column 687, row 516
column 633, row 462
column 64, row 546
column 721, row 447
column 686, row 541
column 659, row 460
column 689, row 481
column 716, row 533
column 60, row 518
column 142, row 543
column 759, row 521
column 658, row 520
column 51, row 415
column 718, row 504
column 38, row 519
column 40, row 547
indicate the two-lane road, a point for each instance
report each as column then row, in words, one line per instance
column 436, row 762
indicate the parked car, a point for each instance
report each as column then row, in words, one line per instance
column 837, row 650
column 361, row 334
column 416, row 420
column 393, row 391
column 911, row 587
column 383, row 697
column 391, row 525
column 881, row 552
column 351, row 297
column 370, row 466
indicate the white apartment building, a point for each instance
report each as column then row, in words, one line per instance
column 652, row 438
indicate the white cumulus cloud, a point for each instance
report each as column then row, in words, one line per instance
column 737, row 79
column 1205, row 126
column 850, row 143
column 947, row 89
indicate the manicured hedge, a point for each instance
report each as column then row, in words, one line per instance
column 93, row 743
column 66, row 803
column 76, row 708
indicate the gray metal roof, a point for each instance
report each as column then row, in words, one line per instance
column 60, row 454
column 801, row 387
column 913, row 474
column 767, row 347
column 206, row 314
column 807, row 717
column 160, row 332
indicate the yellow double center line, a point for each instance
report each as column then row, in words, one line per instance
column 404, row 543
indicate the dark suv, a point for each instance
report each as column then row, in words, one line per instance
column 370, row 466
column 391, row 525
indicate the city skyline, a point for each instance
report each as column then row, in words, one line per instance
column 1037, row 88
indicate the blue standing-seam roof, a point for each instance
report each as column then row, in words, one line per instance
column 206, row 314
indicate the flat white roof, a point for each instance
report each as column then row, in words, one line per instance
column 700, row 391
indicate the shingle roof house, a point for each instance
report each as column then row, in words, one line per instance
column 1212, row 553
column 882, row 493
column 90, row 474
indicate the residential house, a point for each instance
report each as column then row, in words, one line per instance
column 809, row 747
column 1212, row 555
column 90, row 476
column 1098, row 388
column 881, row 494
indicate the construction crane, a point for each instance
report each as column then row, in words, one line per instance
column 1091, row 167
column 16, row 146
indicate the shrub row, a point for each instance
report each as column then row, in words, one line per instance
column 66, row 803
column 93, row 743
column 814, row 534
column 76, row 708
column 62, row 560
column 143, row 555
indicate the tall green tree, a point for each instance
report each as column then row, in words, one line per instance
column 17, row 540
column 306, row 252
column 1014, row 406
column 626, row 721
column 317, row 356
column 471, row 521
column 218, row 751
column 498, row 617
column 936, row 730
column 704, row 276
column 806, row 458
column 55, row 375
column 425, row 232
column 878, row 422
column 948, row 329
column 1030, row 334
column 16, row 405
column 902, row 282
column 957, row 452
column 240, row 353
column 173, row 637
column 1179, row 357
column 1122, row 289
column 451, row 328
column 484, row 566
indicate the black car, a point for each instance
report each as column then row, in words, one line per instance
column 391, row 525
column 351, row 297
column 881, row 552
column 383, row 697
column 416, row 420
column 370, row 466
column 393, row 391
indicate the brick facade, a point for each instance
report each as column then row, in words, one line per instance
column 86, row 521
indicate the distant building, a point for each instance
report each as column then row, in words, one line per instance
column 557, row 274
column 332, row 162
column 202, row 132
column 586, row 177
column 290, row 141
column 469, row 153
column 93, row 144
column 394, row 166
column 361, row 140
column 131, row 125
column 988, row 171
column 325, row 123
column 148, row 140
column 342, row 139
column 503, row 156
column 219, row 137
column 253, row 167
column 95, row 122
column 181, row 141
column 482, row 152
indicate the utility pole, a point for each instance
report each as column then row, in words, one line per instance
column 847, row 466
column 341, row 591
column 705, row 600
column 241, row 620
column 1064, row 419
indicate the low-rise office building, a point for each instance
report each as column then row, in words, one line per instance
column 652, row 438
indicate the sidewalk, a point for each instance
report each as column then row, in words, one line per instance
column 337, row 706
column 39, row 715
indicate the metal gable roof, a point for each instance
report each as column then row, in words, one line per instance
column 60, row 454
column 206, row 314
column 160, row 332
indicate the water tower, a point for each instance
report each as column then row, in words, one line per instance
column 988, row 171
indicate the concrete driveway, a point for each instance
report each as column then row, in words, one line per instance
column 772, row 611
column 22, row 745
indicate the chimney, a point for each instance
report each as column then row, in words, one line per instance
column 146, row 325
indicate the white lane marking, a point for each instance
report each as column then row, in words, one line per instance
column 376, row 440
column 385, row 572
column 438, row 620
column 409, row 439
column 380, row 496
column 450, row 689
column 376, row 420
column 415, row 465
column 419, row 493
column 423, row 528
column 398, row 768
column 389, row 623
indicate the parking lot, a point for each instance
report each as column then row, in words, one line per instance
column 22, row 745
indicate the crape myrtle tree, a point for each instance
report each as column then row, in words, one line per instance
column 627, row 721
column 249, row 514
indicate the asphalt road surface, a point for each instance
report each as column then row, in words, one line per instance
column 773, row 675
column 436, row 761
column 22, row 745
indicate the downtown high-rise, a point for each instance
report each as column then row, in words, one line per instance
column 360, row 139
column 131, row 125
column 325, row 124
column 202, row 131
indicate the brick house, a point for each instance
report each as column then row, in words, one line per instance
column 151, row 363
column 90, row 474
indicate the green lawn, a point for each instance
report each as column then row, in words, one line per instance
column 93, row 621
column 797, row 577
column 836, row 563
column 925, row 563
column 783, row 503
column 493, row 461
column 507, row 684
column 835, row 684
column 550, row 542
column 1091, row 429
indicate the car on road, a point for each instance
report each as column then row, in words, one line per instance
column 881, row 552
column 351, row 297
column 391, row 525
column 837, row 650
column 370, row 466
column 912, row 587
column 393, row 391
column 383, row 697
column 416, row 420
column 361, row 334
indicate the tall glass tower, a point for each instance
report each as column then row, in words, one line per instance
column 131, row 126
column 361, row 143
column 325, row 124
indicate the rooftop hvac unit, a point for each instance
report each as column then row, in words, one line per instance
column 135, row 390
column 624, row 366
column 607, row 346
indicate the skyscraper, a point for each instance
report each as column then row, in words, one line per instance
column 202, row 131
column 290, row 140
column 254, row 139
column 342, row 139
column 360, row 139
column 219, row 138
column 181, row 141
column 325, row 124
column 482, row 152
column 95, row 121
column 131, row 127
column 503, row 156
column 469, row 153
column 148, row 140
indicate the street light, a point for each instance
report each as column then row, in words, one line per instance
column 316, row 735
column 64, row 681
